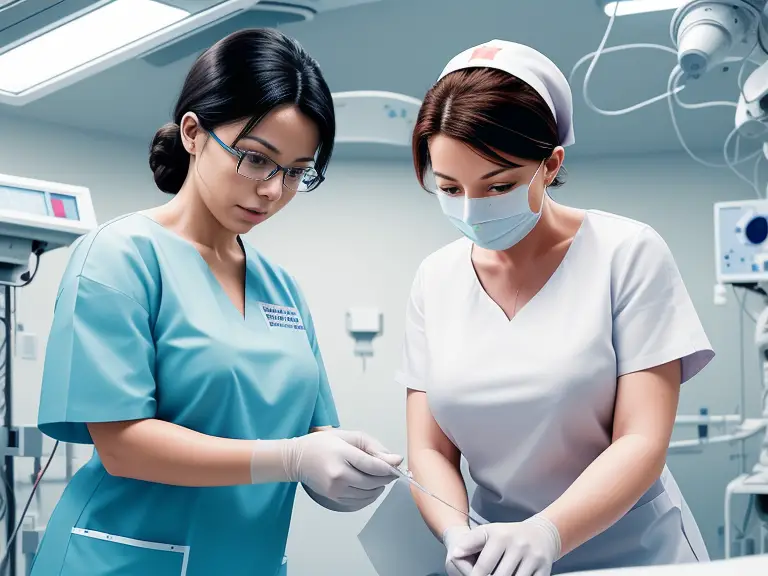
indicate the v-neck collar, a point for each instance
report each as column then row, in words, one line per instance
column 221, row 295
column 486, row 298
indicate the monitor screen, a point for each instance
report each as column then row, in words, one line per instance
column 39, row 203
column 21, row 200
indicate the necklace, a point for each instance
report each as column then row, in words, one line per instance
column 514, row 310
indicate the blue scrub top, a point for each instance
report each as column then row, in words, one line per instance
column 142, row 329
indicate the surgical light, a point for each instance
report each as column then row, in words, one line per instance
column 629, row 7
column 83, row 40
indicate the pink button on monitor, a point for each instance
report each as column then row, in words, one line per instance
column 58, row 208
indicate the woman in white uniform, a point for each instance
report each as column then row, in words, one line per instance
column 547, row 346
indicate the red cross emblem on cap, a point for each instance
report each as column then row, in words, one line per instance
column 484, row 53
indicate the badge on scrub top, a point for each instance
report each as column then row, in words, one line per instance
column 281, row 317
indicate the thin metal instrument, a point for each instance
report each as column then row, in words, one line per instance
column 407, row 475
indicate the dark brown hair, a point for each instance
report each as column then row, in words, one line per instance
column 490, row 111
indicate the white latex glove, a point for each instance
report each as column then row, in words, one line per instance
column 526, row 548
column 457, row 566
column 348, row 468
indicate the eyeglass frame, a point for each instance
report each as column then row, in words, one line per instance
column 241, row 154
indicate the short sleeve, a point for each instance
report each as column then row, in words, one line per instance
column 99, row 362
column 325, row 413
column 413, row 365
column 654, row 321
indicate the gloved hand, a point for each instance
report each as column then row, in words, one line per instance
column 348, row 468
column 526, row 548
column 457, row 566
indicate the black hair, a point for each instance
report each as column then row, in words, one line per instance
column 245, row 75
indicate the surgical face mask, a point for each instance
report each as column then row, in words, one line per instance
column 494, row 222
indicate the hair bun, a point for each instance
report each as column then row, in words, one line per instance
column 168, row 159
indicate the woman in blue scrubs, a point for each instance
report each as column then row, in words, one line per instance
column 188, row 359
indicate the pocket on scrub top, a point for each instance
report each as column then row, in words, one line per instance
column 93, row 553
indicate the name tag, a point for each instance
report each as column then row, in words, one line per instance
column 281, row 317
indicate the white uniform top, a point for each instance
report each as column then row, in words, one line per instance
column 529, row 402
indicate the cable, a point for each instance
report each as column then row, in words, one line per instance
column 748, row 515
column 672, row 94
column 674, row 77
column 9, row 545
column 732, row 165
column 2, row 351
column 743, row 304
column 758, row 43
column 7, row 490
column 713, row 103
column 621, row 48
column 595, row 56
column 3, row 501
column 5, row 481
column 740, row 78
column 700, row 105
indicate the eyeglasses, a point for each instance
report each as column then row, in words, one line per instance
column 255, row 166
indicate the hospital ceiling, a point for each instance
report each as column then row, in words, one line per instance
column 401, row 46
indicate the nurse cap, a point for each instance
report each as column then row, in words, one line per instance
column 530, row 66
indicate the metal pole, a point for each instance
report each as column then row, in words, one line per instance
column 10, row 492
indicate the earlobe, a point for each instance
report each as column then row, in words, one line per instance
column 549, row 176
column 189, row 128
column 553, row 164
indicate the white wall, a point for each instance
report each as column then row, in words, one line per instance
column 358, row 241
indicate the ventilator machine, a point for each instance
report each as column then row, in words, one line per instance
column 35, row 218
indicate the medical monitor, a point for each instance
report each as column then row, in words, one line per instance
column 49, row 214
column 741, row 241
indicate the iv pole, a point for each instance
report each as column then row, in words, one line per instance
column 8, row 469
